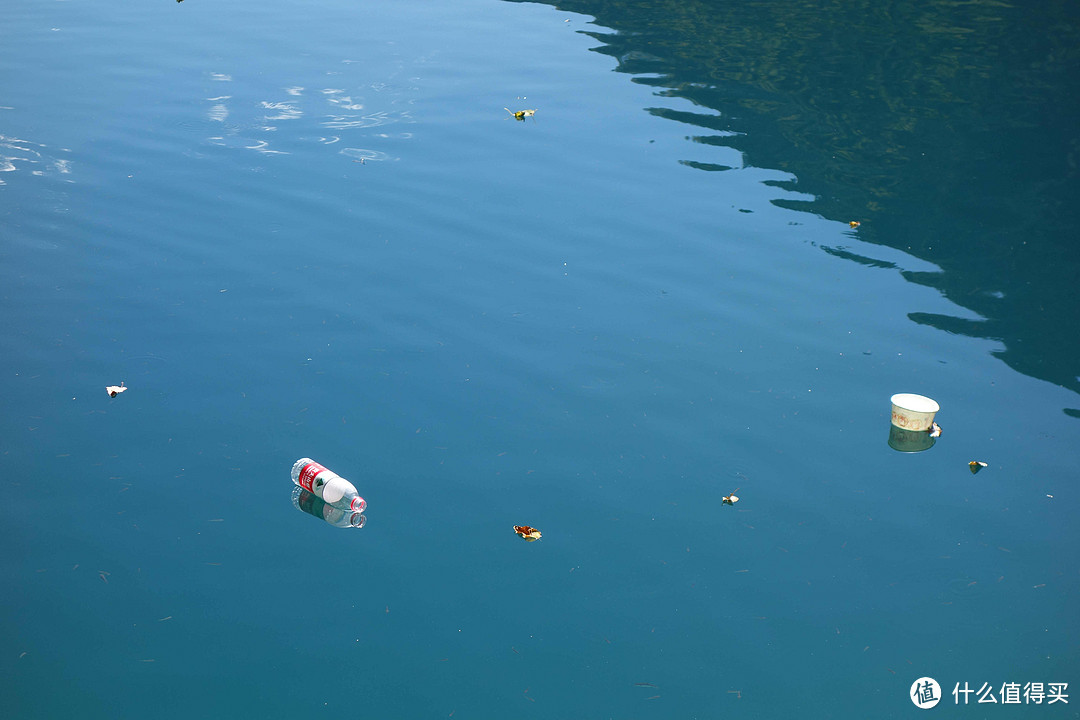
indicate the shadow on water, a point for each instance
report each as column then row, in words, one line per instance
column 951, row 131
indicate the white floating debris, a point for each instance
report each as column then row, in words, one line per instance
column 913, row 412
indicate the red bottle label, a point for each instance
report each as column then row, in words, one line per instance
column 307, row 475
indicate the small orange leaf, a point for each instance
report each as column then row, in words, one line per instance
column 529, row 533
column 854, row 223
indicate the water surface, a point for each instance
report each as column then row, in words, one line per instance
column 316, row 231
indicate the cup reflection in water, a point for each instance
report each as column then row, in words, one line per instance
column 312, row 505
column 910, row 441
column 330, row 487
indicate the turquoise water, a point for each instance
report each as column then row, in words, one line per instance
column 314, row 230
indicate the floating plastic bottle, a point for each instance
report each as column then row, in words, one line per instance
column 327, row 485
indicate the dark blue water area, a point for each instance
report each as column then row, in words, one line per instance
column 315, row 230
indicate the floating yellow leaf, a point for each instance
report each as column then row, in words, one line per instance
column 732, row 498
column 854, row 223
column 529, row 533
column 115, row 390
column 976, row 466
column 520, row 114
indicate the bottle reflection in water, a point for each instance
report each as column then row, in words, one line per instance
column 312, row 505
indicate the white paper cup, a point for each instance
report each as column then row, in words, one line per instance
column 913, row 412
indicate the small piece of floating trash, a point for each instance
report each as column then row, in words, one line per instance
column 732, row 498
column 976, row 466
column 520, row 114
column 854, row 223
column 935, row 430
column 115, row 390
column 529, row 533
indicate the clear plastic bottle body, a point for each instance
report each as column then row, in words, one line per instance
column 327, row 485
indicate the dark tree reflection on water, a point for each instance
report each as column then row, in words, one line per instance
column 951, row 130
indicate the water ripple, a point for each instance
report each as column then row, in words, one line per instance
column 31, row 156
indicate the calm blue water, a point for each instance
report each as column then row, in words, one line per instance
column 313, row 230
